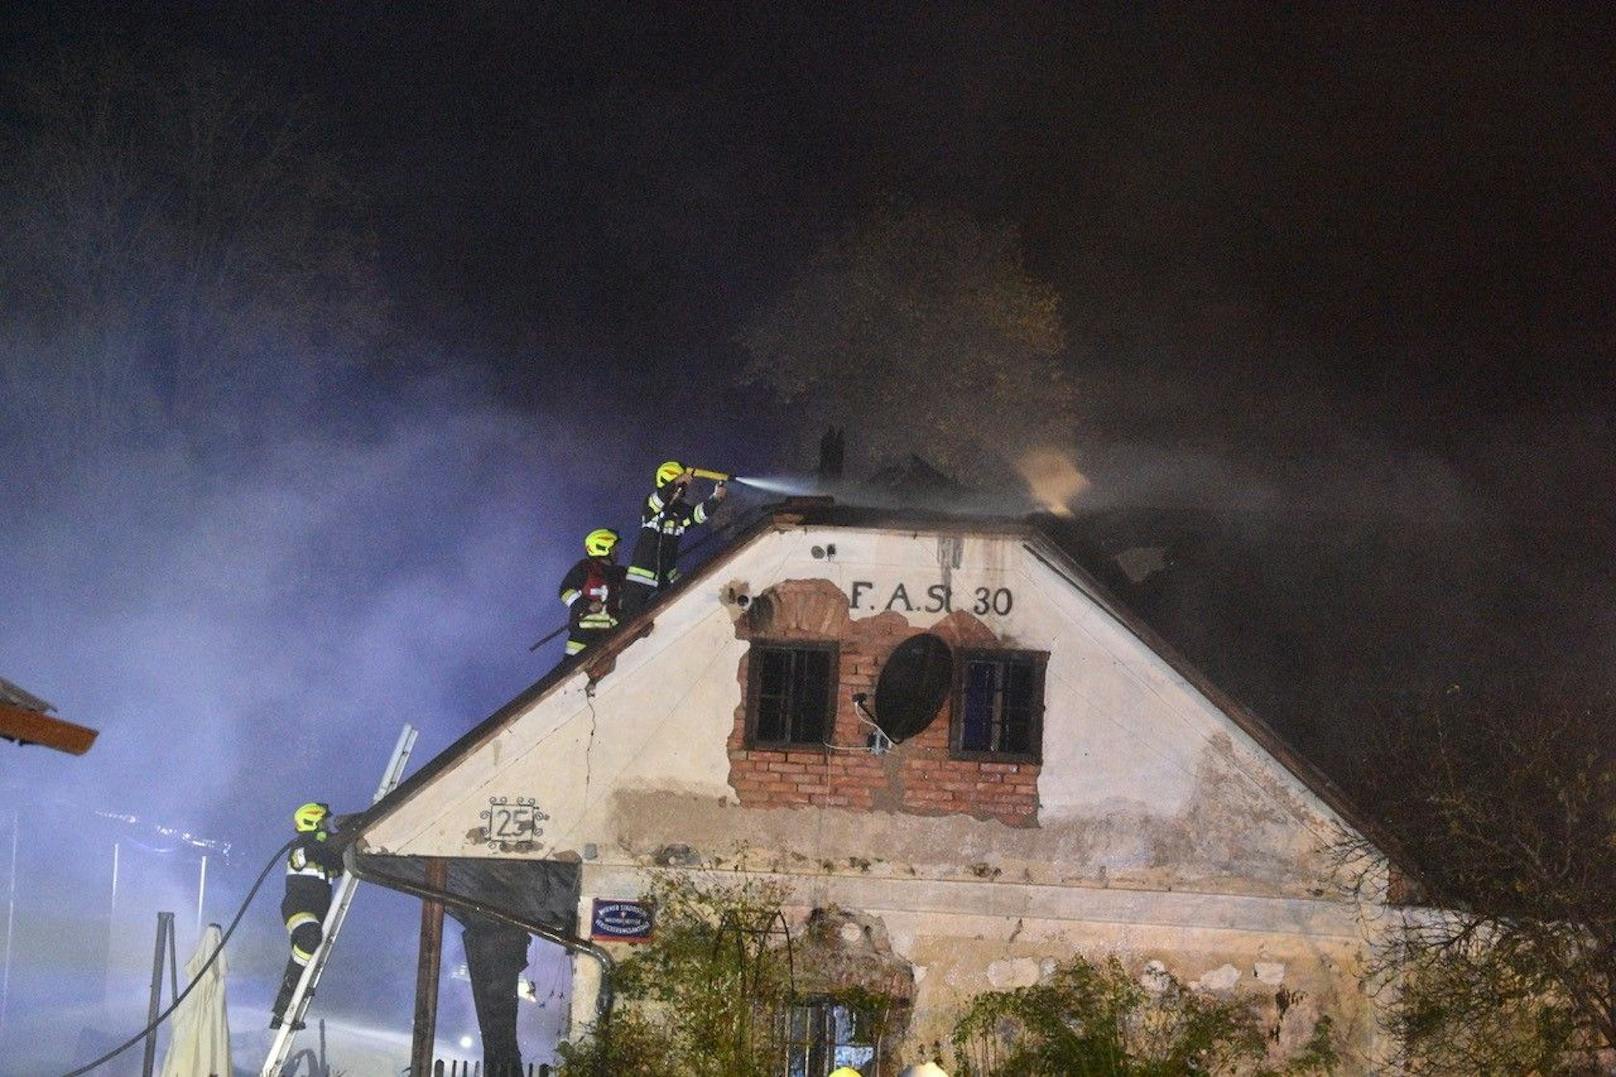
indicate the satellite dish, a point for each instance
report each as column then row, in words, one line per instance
column 913, row 685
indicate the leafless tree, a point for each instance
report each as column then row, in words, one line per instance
column 173, row 236
column 922, row 329
column 1507, row 804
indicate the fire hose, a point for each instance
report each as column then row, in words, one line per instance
column 152, row 1027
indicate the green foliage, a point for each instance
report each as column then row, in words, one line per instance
column 701, row 998
column 704, row 998
column 1477, row 1009
column 1094, row 1020
column 634, row 1045
column 908, row 322
column 1318, row 1056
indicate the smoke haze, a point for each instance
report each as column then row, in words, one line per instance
column 280, row 471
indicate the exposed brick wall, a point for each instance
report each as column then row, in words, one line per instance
column 917, row 776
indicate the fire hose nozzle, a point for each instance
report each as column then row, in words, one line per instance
column 704, row 473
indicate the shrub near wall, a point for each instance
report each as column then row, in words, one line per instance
column 710, row 994
column 1094, row 1020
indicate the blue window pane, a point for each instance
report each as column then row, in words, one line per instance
column 981, row 692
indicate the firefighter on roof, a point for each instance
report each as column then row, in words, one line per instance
column 310, row 866
column 592, row 591
column 667, row 514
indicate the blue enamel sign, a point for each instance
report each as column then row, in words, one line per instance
column 621, row 921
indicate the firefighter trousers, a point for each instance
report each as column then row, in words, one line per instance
column 303, row 908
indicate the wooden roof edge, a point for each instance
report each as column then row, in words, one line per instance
column 35, row 727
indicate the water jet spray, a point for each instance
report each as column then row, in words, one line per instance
column 789, row 486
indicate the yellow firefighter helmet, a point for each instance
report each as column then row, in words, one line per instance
column 670, row 470
column 600, row 542
column 310, row 816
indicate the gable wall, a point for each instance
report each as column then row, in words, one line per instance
column 1143, row 782
column 1154, row 828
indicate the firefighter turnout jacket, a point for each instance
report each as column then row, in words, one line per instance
column 592, row 592
column 666, row 516
column 311, row 865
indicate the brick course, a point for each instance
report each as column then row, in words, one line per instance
column 916, row 777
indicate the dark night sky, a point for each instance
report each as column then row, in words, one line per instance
column 1410, row 207
column 1357, row 257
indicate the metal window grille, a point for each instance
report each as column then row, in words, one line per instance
column 822, row 1036
column 791, row 694
column 1001, row 702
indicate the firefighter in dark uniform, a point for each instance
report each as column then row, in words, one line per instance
column 310, row 866
column 667, row 514
column 592, row 591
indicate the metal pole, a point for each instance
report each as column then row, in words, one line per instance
column 427, row 968
column 10, row 925
column 325, row 1070
column 165, row 927
column 173, row 964
column 201, row 890
column 112, row 930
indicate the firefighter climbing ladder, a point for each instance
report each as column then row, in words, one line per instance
column 341, row 898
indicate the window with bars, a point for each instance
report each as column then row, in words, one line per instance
column 791, row 694
column 822, row 1036
column 999, row 706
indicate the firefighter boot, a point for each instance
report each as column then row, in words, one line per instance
column 294, row 972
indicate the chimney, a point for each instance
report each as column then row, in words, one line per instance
column 830, row 454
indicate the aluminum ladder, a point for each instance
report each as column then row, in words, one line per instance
column 342, row 896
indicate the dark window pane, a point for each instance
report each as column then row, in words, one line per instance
column 774, row 671
column 1019, row 683
column 793, row 695
column 801, row 1016
column 800, row 693
column 1020, row 702
column 976, row 730
column 776, row 665
column 999, row 705
column 808, row 722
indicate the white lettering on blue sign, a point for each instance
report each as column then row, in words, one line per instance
column 621, row 921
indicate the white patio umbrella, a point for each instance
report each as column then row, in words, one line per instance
column 200, row 1046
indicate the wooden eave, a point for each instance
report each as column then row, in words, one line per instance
column 35, row 727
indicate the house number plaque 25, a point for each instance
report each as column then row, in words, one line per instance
column 512, row 824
